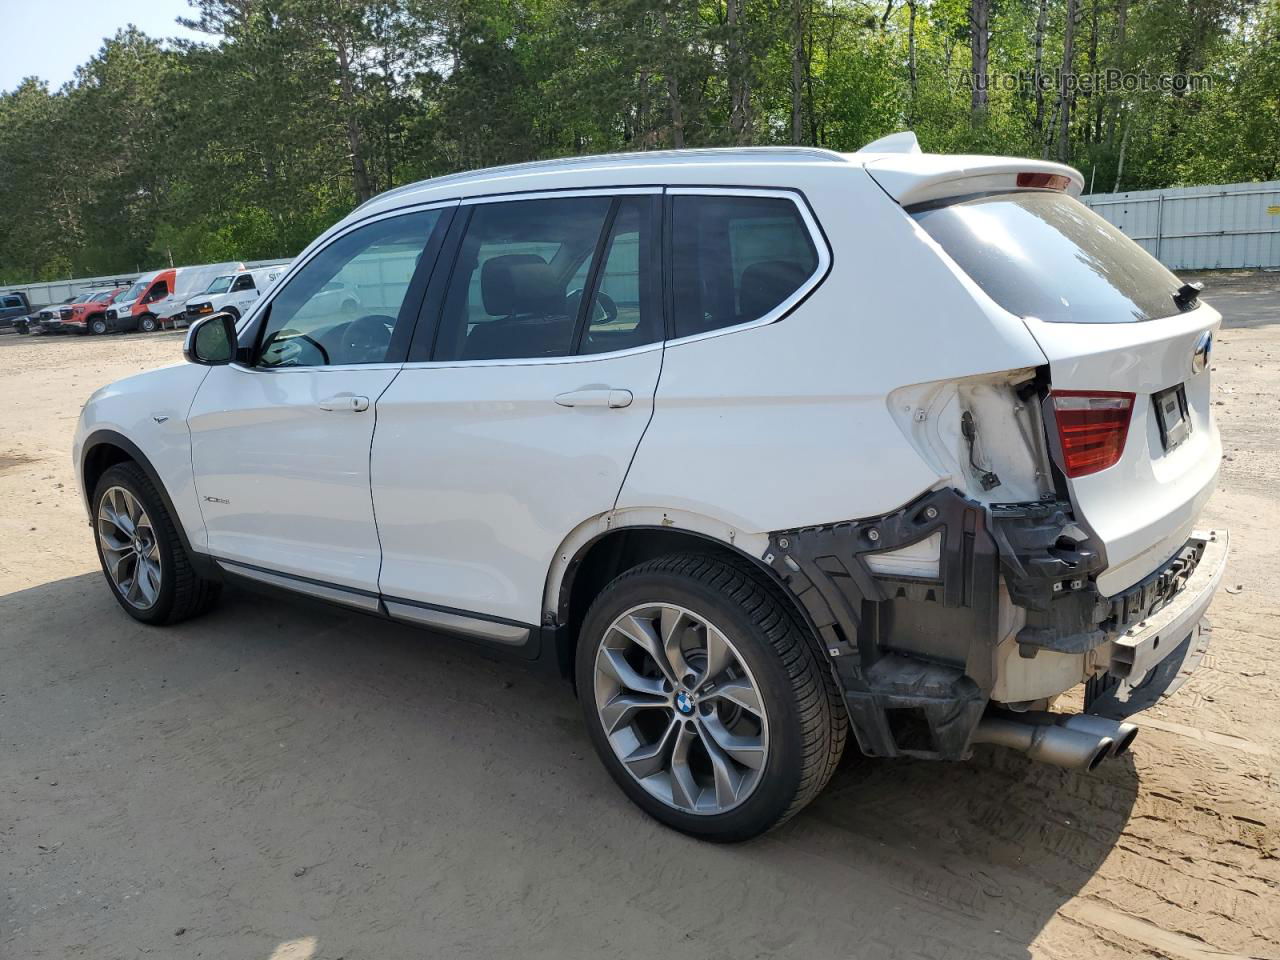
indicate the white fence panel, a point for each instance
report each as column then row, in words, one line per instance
column 1200, row 228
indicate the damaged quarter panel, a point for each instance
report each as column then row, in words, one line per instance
column 811, row 439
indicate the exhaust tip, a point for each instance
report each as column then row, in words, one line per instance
column 1125, row 735
column 1106, row 748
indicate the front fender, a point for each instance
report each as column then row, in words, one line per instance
column 145, row 416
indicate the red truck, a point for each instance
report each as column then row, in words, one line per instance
column 87, row 315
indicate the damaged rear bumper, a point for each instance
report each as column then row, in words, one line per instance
column 917, row 645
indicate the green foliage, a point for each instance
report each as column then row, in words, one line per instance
column 247, row 145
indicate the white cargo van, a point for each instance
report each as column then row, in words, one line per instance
column 187, row 282
column 231, row 293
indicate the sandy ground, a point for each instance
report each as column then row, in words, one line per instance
column 286, row 781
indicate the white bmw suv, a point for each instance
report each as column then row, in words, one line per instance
column 757, row 446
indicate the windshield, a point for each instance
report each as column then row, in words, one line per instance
column 134, row 292
column 220, row 284
column 1046, row 255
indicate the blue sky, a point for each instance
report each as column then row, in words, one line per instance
column 50, row 38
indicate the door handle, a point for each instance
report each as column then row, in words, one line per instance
column 348, row 402
column 598, row 397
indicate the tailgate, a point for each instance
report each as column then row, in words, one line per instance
column 1122, row 336
column 1144, row 507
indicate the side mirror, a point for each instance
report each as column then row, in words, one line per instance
column 211, row 340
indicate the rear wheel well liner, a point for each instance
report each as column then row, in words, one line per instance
column 598, row 561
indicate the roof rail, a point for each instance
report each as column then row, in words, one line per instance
column 706, row 154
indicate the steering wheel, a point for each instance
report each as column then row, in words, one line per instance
column 286, row 338
column 365, row 340
column 608, row 308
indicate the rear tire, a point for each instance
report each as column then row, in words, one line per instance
column 753, row 730
column 134, row 523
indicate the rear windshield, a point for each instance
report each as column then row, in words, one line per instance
column 1047, row 255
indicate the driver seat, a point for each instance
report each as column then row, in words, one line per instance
column 523, row 291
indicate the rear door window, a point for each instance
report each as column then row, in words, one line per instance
column 1046, row 255
column 519, row 279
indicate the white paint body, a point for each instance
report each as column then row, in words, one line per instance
column 466, row 486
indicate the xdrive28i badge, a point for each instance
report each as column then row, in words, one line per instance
column 1200, row 352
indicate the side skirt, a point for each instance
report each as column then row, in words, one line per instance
column 525, row 641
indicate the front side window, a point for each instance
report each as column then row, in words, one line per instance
column 344, row 304
column 734, row 259
column 13, row 301
column 157, row 292
column 242, row 282
column 519, row 279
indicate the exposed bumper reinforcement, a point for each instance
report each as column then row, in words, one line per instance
column 1136, row 651
column 915, row 655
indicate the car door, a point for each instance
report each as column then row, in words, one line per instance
column 530, row 382
column 280, row 439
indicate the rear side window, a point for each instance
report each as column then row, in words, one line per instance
column 13, row 301
column 734, row 259
column 1047, row 255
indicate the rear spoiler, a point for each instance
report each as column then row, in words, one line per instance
column 912, row 177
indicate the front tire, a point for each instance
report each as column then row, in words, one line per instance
column 98, row 326
column 707, row 697
column 148, row 323
column 142, row 556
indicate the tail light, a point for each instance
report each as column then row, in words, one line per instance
column 1092, row 428
column 1048, row 181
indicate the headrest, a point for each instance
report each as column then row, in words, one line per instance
column 767, row 284
column 520, row 283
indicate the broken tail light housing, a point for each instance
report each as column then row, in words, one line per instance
column 1092, row 428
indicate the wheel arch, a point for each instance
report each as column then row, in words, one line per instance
column 104, row 449
column 611, row 543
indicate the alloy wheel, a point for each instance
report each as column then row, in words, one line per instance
column 130, row 551
column 680, row 708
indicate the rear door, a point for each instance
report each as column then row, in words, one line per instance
column 1128, row 360
column 530, row 383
